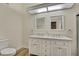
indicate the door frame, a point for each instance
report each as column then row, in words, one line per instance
column 77, row 32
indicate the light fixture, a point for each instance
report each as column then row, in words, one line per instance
column 38, row 10
column 60, row 6
column 51, row 8
column 42, row 10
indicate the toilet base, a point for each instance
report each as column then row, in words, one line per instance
column 8, row 52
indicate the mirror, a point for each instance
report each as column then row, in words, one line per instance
column 57, row 22
column 40, row 23
column 49, row 22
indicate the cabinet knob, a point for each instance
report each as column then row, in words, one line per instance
column 45, row 50
column 34, row 44
column 45, row 45
column 45, row 41
column 60, row 48
column 64, row 44
column 55, row 43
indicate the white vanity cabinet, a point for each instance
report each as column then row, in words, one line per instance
column 50, row 47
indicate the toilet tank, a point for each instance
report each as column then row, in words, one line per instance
column 3, row 43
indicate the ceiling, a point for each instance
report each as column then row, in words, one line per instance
column 21, row 7
column 28, row 5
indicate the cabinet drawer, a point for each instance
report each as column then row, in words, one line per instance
column 35, row 46
column 37, row 41
column 45, row 41
column 45, row 52
column 36, row 52
column 61, row 43
column 46, row 46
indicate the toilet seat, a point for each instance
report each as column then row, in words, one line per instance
column 8, row 52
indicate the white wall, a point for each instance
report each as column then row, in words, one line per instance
column 11, row 26
column 14, row 24
column 70, row 23
column 27, row 28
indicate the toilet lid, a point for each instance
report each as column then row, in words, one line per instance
column 8, row 51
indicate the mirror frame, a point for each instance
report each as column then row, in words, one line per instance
column 62, row 22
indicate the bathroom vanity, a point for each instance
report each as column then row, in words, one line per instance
column 50, row 46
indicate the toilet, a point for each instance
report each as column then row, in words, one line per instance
column 5, row 50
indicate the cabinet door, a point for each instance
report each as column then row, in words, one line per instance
column 45, row 52
column 65, row 51
column 45, row 48
column 56, row 51
column 61, row 51
column 52, row 48
column 62, row 48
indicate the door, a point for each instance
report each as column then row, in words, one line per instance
column 78, row 34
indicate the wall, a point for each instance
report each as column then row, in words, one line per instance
column 70, row 23
column 14, row 23
column 27, row 28
column 11, row 26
